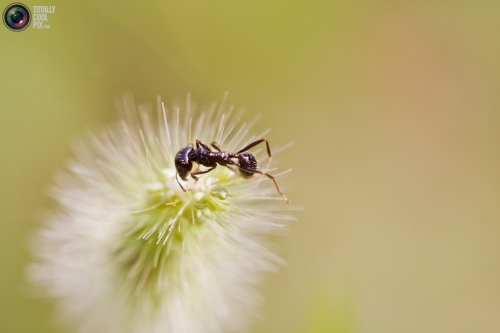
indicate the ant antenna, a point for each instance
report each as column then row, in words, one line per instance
column 178, row 182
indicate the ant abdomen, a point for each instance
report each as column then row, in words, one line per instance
column 247, row 160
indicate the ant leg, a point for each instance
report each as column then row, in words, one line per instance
column 215, row 145
column 200, row 172
column 255, row 143
column 178, row 182
column 269, row 176
column 200, row 143
column 231, row 168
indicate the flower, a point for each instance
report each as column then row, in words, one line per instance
column 127, row 250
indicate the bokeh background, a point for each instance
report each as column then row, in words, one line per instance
column 394, row 108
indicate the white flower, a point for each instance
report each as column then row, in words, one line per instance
column 128, row 251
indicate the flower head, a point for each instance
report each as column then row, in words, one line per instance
column 128, row 250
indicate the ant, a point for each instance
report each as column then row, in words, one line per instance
column 247, row 163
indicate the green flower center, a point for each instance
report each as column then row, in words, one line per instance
column 149, row 255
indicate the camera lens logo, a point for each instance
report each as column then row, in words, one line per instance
column 17, row 17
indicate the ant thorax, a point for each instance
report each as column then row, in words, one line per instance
column 205, row 157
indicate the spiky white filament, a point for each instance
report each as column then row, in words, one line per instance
column 129, row 251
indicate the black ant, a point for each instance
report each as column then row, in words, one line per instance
column 203, row 155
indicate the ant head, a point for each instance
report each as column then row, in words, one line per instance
column 183, row 162
column 247, row 160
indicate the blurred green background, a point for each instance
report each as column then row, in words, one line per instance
column 394, row 108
